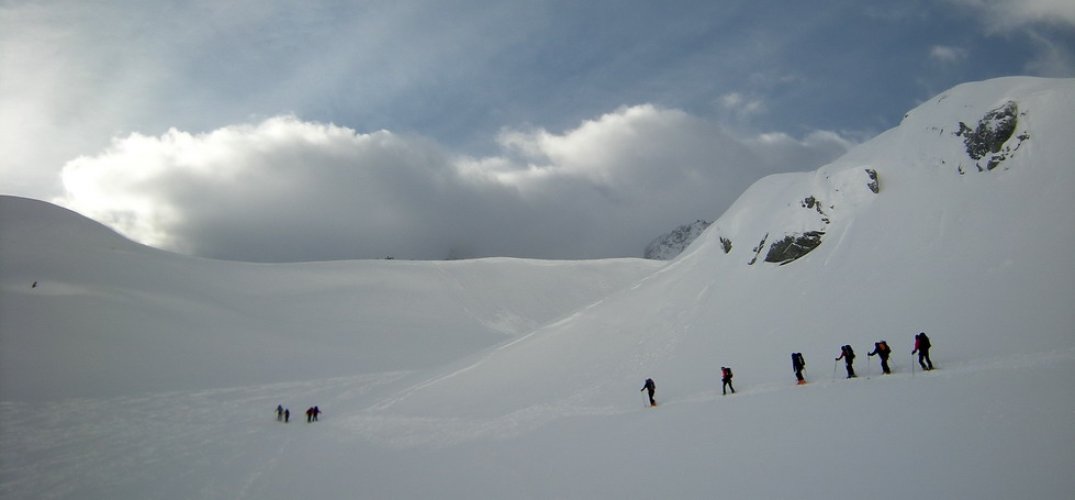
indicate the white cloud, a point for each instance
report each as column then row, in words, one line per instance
column 947, row 54
column 286, row 189
column 742, row 106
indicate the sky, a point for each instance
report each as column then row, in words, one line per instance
column 318, row 130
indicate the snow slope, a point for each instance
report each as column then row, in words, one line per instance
column 121, row 318
column 520, row 379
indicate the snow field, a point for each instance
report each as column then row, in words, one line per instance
column 131, row 373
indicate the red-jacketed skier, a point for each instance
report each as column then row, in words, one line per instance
column 726, row 380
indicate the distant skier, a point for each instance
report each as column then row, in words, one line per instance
column 310, row 414
column 848, row 355
column 882, row 351
column 287, row 415
column 921, row 346
column 726, row 380
column 279, row 413
column 652, row 388
column 317, row 411
column 798, row 364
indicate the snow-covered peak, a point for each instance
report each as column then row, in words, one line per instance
column 970, row 129
column 667, row 246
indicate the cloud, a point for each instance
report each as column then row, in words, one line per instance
column 285, row 189
column 1005, row 15
column 947, row 54
column 742, row 106
column 1052, row 59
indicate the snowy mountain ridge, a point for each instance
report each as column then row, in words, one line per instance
column 512, row 378
column 667, row 246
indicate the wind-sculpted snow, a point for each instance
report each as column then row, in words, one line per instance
column 503, row 378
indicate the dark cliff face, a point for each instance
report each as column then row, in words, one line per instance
column 988, row 142
column 793, row 246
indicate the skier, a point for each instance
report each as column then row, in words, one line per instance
column 279, row 413
column 317, row 411
column 726, row 379
column 798, row 364
column 287, row 415
column 848, row 355
column 652, row 388
column 881, row 350
column 310, row 414
column 921, row 346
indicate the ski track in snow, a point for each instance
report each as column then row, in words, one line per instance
column 50, row 446
column 60, row 447
column 376, row 423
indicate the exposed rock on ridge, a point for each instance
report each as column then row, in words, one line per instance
column 667, row 246
column 987, row 140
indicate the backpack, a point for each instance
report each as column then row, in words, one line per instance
column 797, row 360
column 848, row 351
column 726, row 372
column 884, row 347
column 923, row 343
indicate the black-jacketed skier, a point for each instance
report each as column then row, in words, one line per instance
column 287, row 415
column 921, row 346
column 652, row 388
column 848, row 355
column 279, row 413
column 726, row 380
column 798, row 364
column 882, row 351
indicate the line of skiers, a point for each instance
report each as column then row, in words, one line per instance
column 798, row 364
column 284, row 414
column 883, row 351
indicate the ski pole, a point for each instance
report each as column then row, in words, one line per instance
column 834, row 363
column 912, row 365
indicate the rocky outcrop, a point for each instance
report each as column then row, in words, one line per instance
column 988, row 142
column 667, row 246
column 726, row 244
column 874, row 183
column 793, row 246
column 757, row 250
